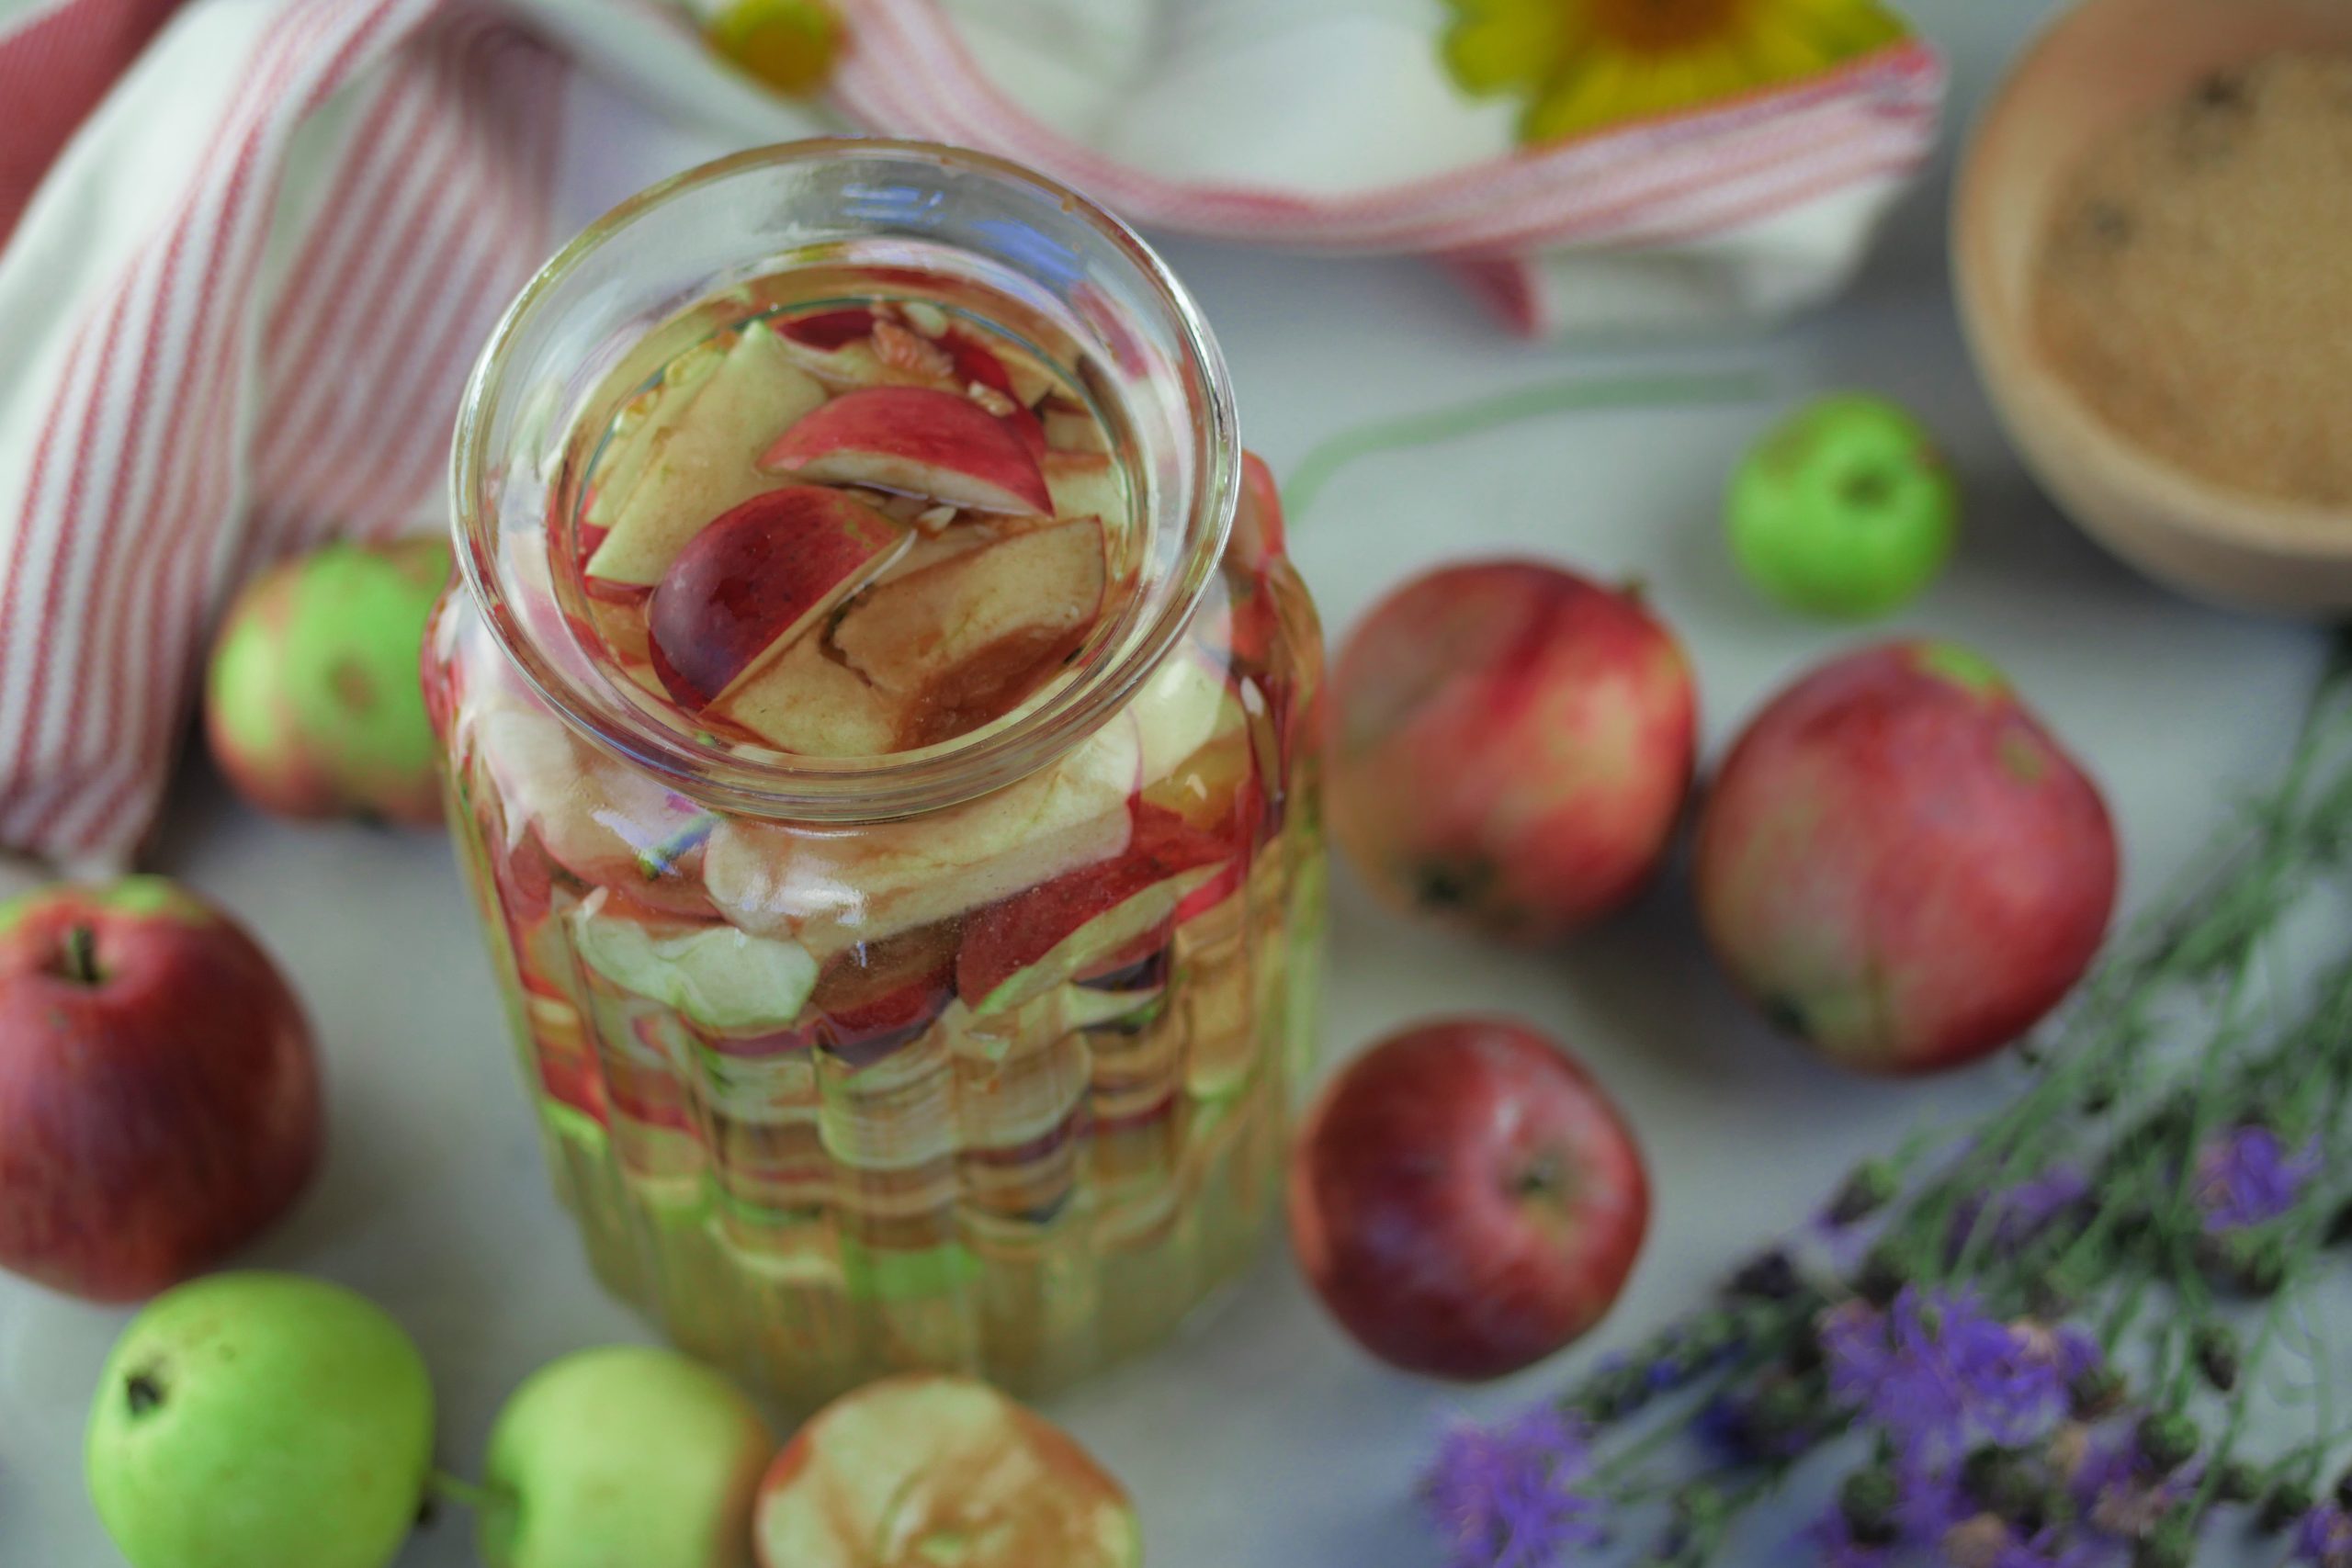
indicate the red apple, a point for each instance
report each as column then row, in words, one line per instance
column 1900, row 864
column 159, row 1098
column 745, row 587
column 1465, row 1199
column 933, row 1469
column 1512, row 749
column 958, row 643
column 918, row 440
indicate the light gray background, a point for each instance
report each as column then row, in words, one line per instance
column 1267, row 1441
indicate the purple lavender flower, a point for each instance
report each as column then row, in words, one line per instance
column 2021, row 1212
column 1935, row 1373
column 1505, row 1497
column 2246, row 1178
column 2117, row 1496
column 2325, row 1538
column 1832, row 1538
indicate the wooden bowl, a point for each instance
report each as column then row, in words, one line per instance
column 2098, row 65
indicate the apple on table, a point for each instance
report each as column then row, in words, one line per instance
column 159, row 1092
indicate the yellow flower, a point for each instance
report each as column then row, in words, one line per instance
column 788, row 44
column 1582, row 64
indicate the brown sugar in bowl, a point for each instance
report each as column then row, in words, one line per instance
column 2096, row 69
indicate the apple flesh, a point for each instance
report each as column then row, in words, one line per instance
column 1900, row 865
column 159, row 1095
column 699, row 471
column 958, row 643
column 945, row 1472
column 1465, row 1199
column 645, row 430
column 312, row 706
column 1084, row 484
column 744, row 587
column 917, row 441
column 1513, row 748
column 623, row 1455
column 807, row 703
column 260, row 1420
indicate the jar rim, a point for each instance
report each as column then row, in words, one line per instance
column 862, row 789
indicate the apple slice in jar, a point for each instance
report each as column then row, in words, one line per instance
column 917, row 441
column 958, row 643
column 701, row 471
column 1084, row 484
column 928, row 1469
column 875, row 996
column 1069, row 428
column 743, row 589
column 1025, row 945
column 656, row 412
column 833, row 890
column 806, row 703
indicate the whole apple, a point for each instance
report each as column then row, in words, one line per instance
column 623, row 1457
column 159, row 1097
column 313, row 706
column 260, row 1421
column 1465, row 1199
column 942, row 1471
column 1900, row 864
column 1511, row 747
column 1847, row 509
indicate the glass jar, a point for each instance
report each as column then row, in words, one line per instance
column 854, row 1064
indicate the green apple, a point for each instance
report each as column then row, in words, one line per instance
column 625, row 1457
column 944, row 1473
column 312, row 704
column 1847, row 509
column 260, row 1421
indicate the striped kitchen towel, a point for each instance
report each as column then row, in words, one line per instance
column 250, row 247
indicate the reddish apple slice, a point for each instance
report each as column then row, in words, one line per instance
column 701, row 471
column 932, row 1469
column 1027, row 945
column 804, row 702
column 745, row 587
column 877, row 995
column 918, row 440
column 1084, row 484
column 958, row 641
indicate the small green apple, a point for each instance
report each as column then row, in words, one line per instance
column 313, row 706
column 260, row 1421
column 625, row 1457
column 1847, row 509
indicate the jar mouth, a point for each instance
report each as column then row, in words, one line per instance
column 591, row 303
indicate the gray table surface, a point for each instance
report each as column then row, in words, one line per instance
column 1266, row 1440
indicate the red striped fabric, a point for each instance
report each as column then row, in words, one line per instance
column 910, row 73
column 142, row 507
column 54, row 67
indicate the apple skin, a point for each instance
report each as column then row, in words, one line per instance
column 1465, row 1199
column 1900, row 865
column 158, row 1117
column 743, row 587
column 917, row 440
column 260, row 1421
column 623, row 1457
column 1513, row 748
column 313, row 705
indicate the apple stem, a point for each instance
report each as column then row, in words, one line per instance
column 465, row 1494
column 81, row 956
